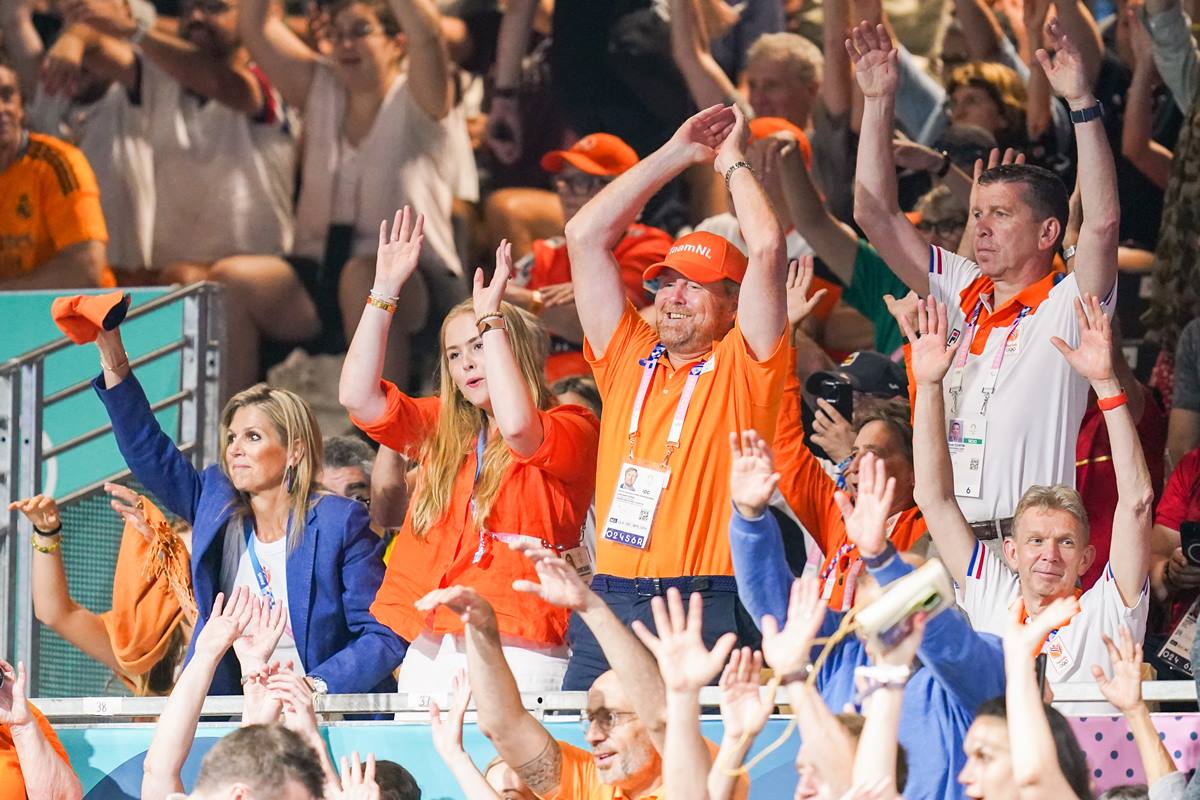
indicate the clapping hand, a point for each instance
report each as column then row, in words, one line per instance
column 799, row 281
column 930, row 356
column 874, row 58
column 701, row 134
column 685, row 663
column 487, row 298
column 1093, row 358
column 399, row 253
column 1124, row 688
column 733, row 147
column 288, row 688
column 789, row 649
column 752, row 476
column 225, row 624
column 866, row 517
column 558, row 582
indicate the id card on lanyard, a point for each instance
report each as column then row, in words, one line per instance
column 260, row 574
column 640, row 484
column 966, row 434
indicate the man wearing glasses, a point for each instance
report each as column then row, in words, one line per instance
column 542, row 284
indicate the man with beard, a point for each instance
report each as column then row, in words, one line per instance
column 223, row 143
column 673, row 394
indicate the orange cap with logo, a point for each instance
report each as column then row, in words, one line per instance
column 702, row 257
column 595, row 154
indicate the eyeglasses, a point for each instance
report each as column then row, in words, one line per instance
column 604, row 719
column 942, row 227
column 580, row 184
column 360, row 29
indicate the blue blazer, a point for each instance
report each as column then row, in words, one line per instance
column 338, row 639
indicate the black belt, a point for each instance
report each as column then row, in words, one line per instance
column 989, row 529
column 654, row 587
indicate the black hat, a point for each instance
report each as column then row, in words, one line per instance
column 867, row 372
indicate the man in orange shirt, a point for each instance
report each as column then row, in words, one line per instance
column 542, row 284
column 673, row 395
column 52, row 233
column 30, row 753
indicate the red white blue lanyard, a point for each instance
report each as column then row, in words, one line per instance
column 964, row 349
column 260, row 574
column 649, row 364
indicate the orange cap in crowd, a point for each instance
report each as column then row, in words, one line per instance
column 702, row 257
column 762, row 127
column 595, row 154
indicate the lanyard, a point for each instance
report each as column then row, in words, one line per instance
column 964, row 349
column 649, row 364
column 480, row 446
column 260, row 574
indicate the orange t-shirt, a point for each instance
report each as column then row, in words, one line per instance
column 49, row 200
column 544, row 496
column 640, row 247
column 690, row 535
column 12, row 784
column 580, row 781
column 808, row 491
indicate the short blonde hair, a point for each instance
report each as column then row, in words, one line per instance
column 798, row 52
column 1058, row 497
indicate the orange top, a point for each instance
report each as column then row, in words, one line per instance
column 640, row 247
column 579, row 780
column 690, row 535
column 12, row 784
column 808, row 491
column 544, row 496
column 51, row 201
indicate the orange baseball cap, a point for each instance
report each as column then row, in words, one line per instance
column 703, row 257
column 595, row 154
column 762, row 127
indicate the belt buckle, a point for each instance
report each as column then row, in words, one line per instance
column 647, row 587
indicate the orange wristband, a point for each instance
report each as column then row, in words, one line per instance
column 1109, row 403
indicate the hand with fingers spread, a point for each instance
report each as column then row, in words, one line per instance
column 1124, row 688
column 128, row 505
column 1066, row 71
column 448, row 733
column 558, row 582
column 1093, row 358
column 866, row 517
column 733, row 147
column 875, row 60
column 831, row 431
column 487, row 298
column 225, row 624
column 261, row 635
column 799, row 281
column 685, row 663
column 1023, row 638
column 789, row 649
column 399, row 252
column 701, row 134
column 752, row 476
column 358, row 780
column 930, row 356
column 744, row 711
column 905, row 307
column 14, row 705
column 470, row 606
column 42, row 511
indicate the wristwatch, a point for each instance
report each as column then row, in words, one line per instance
column 1088, row 114
column 318, row 684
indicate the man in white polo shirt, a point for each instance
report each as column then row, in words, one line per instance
column 1018, row 404
column 1049, row 548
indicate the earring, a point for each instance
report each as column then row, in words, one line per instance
column 289, row 478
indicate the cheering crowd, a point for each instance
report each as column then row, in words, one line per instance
column 808, row 375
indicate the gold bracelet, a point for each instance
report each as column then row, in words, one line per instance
column 41, row 548
column 378, row 302
column 114, row 367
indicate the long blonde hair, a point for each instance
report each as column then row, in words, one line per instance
column 297, row 427
column 460, row 421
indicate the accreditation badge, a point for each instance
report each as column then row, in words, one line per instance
column 631, row 513
column 965, row 438
column 1056, row 652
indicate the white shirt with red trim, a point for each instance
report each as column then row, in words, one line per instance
column 1033, row 418
column 992, row 587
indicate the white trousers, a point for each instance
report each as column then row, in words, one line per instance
column 432, row 661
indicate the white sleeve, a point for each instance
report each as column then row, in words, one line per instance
column 1113, row 611
column 989, row 588
column 949, row 274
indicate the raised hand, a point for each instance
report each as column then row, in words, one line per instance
column 260, row 706
column 558, row 583
column 1023, row 640
column 1066, row 72
column 62, row 66
column 399, row 252
column 295, row 698
column 1124, row 688
column 447, row 734
column 799, row 281
column 752, row 477
column 358, row 781
column 470, row 606
column 743, row 709
column 917, row 157
column 107, row 16
column 1093, row 358
column 701, row 134
column 905, row 307
column 14, row 708
column 995, row 159
column 875, row 60
column 685, row 663
column 929, row 357
column 558, row 294
column 128, row 505
column 225, row 624
column 789, row 649
column 733, row 147
column 487, row 298
column 866, row 518
column 261, row 635
column 41, row 510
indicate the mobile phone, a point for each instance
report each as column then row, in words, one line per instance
column 1039, row 669
column 838, row 394
column 926, row 590
column 1189, row 540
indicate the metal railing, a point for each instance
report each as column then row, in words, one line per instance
column 23, row 406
